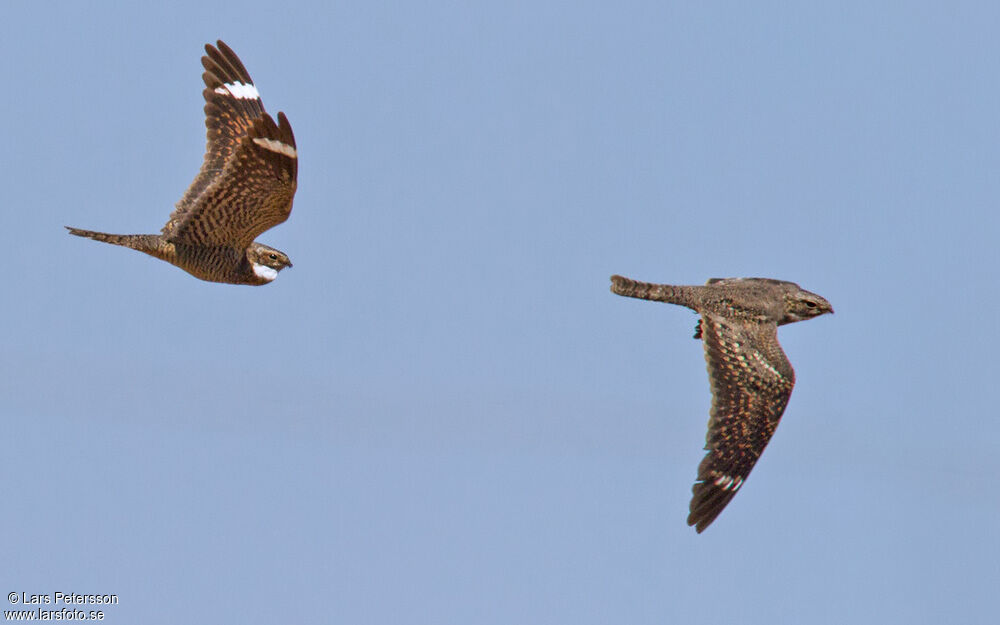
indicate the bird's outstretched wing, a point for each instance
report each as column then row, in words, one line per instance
column 751, row 382
column 252, row 194
column 247, row 179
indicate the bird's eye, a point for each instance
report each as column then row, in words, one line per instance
column 810, row 304
column 273, row 256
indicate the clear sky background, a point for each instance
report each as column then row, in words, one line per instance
column 441, row 414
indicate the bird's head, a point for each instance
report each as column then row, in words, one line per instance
column 267, row 261
column 801, row 304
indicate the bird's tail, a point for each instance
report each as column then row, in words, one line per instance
column 646, row 290
column 141, row 242
column 152, row 244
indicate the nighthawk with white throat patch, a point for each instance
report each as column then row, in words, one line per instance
column 245, row 186
column 750, row 376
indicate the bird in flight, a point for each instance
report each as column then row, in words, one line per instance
column 245, row 186
column 750, row 376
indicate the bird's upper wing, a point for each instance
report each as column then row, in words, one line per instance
column 751, row 382
column 252, row 194
column 247, row 179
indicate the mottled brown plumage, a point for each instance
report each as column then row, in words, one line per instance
column 749, row 374
column 245, row 186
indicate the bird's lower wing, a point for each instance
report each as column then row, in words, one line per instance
column 751, row 381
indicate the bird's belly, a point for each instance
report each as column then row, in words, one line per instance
column 213, row 264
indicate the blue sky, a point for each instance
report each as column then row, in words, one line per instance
column 440, row 414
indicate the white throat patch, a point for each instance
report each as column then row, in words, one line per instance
column 265, row 272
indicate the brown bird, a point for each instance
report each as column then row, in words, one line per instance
column 245, row 186
column 750, row 375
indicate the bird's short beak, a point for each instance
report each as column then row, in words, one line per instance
column 290, row 264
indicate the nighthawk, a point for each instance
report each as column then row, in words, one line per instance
column 245, row 186
column 750, row 376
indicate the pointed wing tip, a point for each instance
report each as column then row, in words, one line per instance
column 227, row 68
column 701, row 522
column 211, row 52
column 708, row 500
column 275, row 137
column 220, row 45
column 285, row 128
